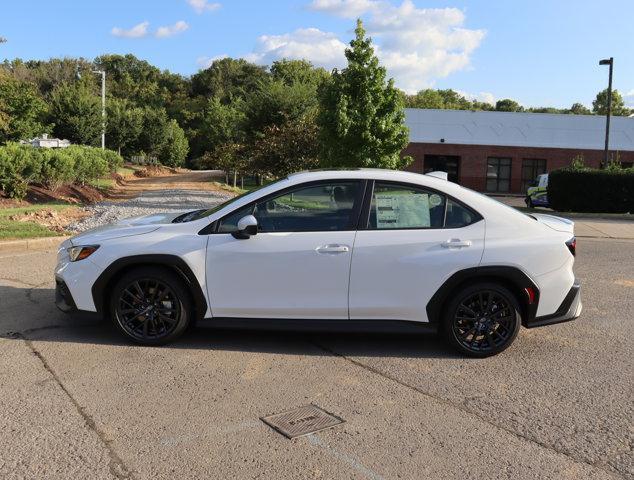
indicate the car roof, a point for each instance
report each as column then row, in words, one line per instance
column 366, row 173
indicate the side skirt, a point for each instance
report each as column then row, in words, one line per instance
column 317, row 325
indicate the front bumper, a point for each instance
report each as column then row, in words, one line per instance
column 63, row 298
column 569, row 309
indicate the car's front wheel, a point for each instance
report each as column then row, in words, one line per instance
column 482, row 319
column 151, row 305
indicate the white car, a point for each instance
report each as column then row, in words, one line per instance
column 369, row 249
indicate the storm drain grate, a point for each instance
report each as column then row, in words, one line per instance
column 301, row 421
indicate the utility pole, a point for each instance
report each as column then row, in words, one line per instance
column 610, row 62
column 103, row 107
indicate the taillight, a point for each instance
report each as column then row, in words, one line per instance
column 572, row 246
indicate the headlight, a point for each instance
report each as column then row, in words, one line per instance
column 81, row 252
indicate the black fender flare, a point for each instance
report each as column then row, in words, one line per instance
column 101, row 288
column 512, row 277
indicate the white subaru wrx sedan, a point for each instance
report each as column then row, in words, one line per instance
column 369, row 249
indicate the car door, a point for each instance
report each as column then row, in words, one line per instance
column 297, row 265
column 414, row 240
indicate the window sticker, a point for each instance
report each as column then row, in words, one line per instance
column 395, row 210
column 435, row 200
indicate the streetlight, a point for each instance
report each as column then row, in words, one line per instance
column 610, row 62
column 103, row 104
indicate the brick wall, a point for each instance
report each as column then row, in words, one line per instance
column 473, row 160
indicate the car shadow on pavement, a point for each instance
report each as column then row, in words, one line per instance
column 35, row 317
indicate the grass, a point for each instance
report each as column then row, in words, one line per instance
column 14, row 229
column 103, row 183
column 125, row 171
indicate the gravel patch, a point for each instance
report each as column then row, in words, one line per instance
column 103, row 213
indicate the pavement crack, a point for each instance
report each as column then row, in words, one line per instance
column 116, row 465
column 462, row 407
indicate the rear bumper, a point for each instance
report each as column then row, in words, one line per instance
column 569, row 309
column 63, row 298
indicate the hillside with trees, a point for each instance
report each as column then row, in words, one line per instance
column 233, row 115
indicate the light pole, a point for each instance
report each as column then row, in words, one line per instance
column 610, row 62
column 103, row 107
column 103, row 104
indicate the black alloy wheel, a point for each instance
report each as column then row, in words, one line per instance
column 483, row 320
column 150, row 306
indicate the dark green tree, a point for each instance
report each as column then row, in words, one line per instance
column 286, row 148
column 579, row 109
column 215, row 124
column 22, row 111
column 291, row 72
column 154, row 133
column 508, row 105
column 361, row 117
column 228, row 78
column 175, row 148
column 76, row 113
column 124, row 123
column 600, row 104
column 428, row 98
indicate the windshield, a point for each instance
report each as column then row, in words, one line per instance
column 197, row 215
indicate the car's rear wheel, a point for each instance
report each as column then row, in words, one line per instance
column 151, row 306
column 482, row 319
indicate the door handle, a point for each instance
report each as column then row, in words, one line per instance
column 333, row 248
column 456, row 243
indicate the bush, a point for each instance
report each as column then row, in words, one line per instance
column 21, row 165
column 608, row 191
column 58, row 168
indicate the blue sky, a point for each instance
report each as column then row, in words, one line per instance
column 539, row 52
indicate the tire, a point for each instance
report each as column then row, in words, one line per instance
column 482, row 319
column 529, row 203
column 151, row 306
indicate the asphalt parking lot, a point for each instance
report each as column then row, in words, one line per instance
column 78, row 402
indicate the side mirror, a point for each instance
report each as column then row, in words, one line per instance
column 247, row 227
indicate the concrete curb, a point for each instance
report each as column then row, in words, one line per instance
column 31, row 244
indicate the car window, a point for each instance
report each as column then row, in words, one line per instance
column 229, row 224
column 322, row 207
column 403, row 207
column 458, row 216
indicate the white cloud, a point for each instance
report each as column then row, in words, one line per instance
column 205, row 62
column 171, row 30
column 629, row 98
column 420, row 45
column 486, row 97
column 416, row 45
column 345, row 8
column 138, row 31
column 321, row 48
column 201, row 6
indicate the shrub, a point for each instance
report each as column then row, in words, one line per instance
column 58, row 168
column 21, row 165
column 591, row 190
column 89, row 164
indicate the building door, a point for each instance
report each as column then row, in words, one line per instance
column 531, row 168
column 498, row 174
column 443, row 163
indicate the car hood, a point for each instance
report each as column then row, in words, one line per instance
column 125, row 228
column 556, row 223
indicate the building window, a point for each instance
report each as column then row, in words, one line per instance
column 531, row 167
column 443, row 163
column 498, row 174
